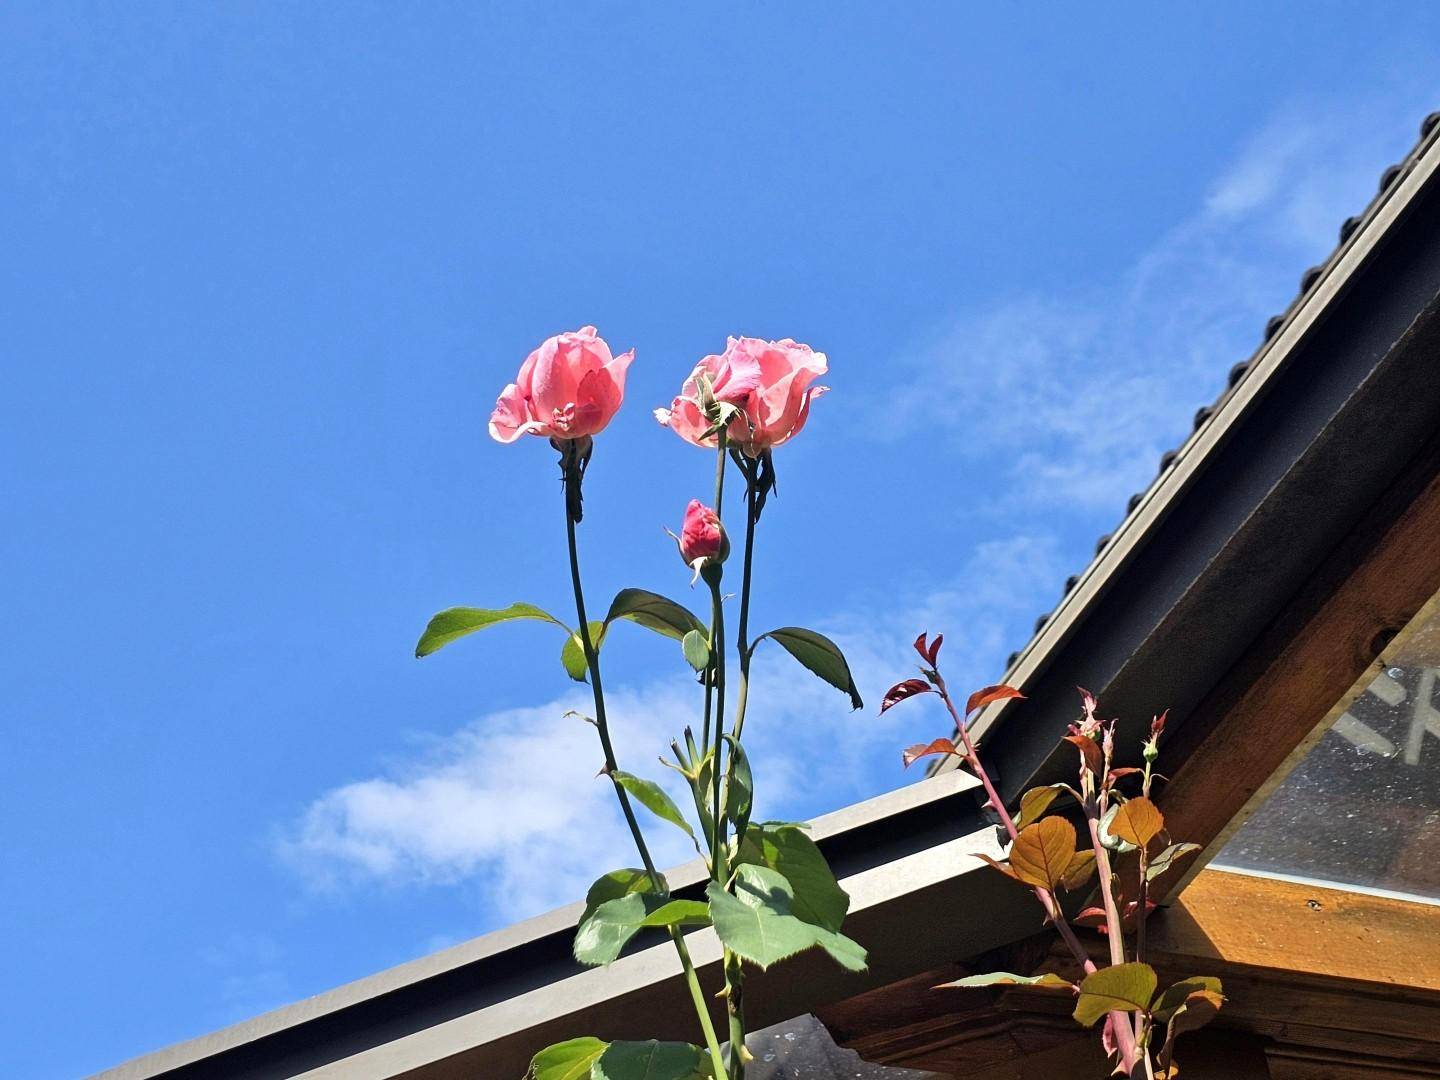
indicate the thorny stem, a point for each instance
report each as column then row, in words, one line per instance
column 717, row 636
column 1120, row 1021
column 735, row 974
column 1140, row 909
column 1046, row 898
column 592, row 661
column 742, row 636
column 1144, row 890
column 719, row 867
column 717, row 680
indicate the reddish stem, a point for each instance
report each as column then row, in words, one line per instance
column 1124, row 1032
column 1045, row 896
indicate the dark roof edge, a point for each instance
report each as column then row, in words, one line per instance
column 1361, row 237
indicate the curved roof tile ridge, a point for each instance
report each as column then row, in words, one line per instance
column 1308, row 280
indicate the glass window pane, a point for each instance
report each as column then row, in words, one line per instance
column 1363, row 806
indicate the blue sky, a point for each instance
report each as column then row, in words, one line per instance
column 265, row 270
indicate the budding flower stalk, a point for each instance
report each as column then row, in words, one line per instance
column 702, row 540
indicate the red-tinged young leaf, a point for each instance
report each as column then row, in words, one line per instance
column 931, row 651
column 902, row 690
column 1042, row 852
column 1081, row 867
column 1127, row 914
column 998, row 865
column 912, row 754
column 1157, row 725
column 1093, row 917
column 985, row 695
column 1138, row 821
column 1120, row 774
column 1090, row 756
column 1087, row 702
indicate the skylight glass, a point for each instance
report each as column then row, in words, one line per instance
column 1362, row 808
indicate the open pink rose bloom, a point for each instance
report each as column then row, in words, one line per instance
column 769, row 381
column 568, row 388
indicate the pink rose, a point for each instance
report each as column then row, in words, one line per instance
column 568, row 388
column 769, row 381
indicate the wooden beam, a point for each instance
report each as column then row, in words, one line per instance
column 1307, row 931
column 1315, row 977
column 1321, row 651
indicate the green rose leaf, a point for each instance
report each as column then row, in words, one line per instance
column 1168, row 859
column 651, row 1060
column 1035, row 802
column 654, row 612
column 609, row 928
column 756, row 922
column 696, row 648
column 1005, row 978
column 652, row 796
column 456, row 622
column 740, row 795
column 572, row 653
column 816, row 897
column 846, row 952
column 606, row 930
column 618, row 883
column 1197, row 1010
column 1174, row 996
column 819, row 654
column 569, row 1060
column 1122, row 988
column 679, row 913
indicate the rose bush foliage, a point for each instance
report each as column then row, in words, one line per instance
column 770, row 893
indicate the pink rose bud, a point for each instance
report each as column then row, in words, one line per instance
column 768, row 382
column 702, row 538
column 568, row 388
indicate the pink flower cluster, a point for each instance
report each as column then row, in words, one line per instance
column 571, row 387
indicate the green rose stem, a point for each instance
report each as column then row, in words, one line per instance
column 734, row 970
column 572, row 467
column 720, row 870
column 712, row 572
column 1124, row 1033
column 742, row 636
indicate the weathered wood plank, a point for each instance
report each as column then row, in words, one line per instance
column 1331, row 637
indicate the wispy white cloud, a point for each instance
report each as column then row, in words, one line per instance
column 1073, row 397
column 1070, row 400
column 512, row 801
